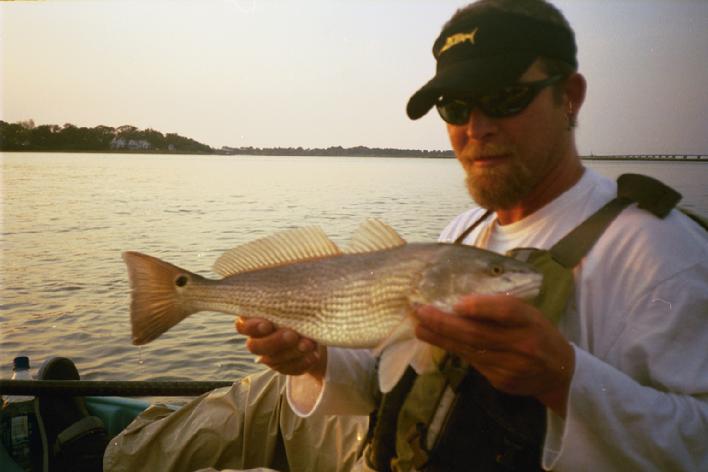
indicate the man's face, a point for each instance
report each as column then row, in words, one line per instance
column 506, row 158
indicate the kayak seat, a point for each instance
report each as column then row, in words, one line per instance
column 75, row 440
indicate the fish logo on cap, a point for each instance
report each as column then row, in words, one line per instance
column 459, row 38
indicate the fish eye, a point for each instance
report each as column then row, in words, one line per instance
column 181, row 281
column 496, row 270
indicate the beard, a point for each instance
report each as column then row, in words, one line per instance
column 498, row 187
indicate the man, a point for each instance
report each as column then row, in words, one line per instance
column 623, row 375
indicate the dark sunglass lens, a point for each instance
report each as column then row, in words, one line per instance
column 454, row 112
column 507, row 101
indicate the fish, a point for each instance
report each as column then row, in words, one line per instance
column 360, row 296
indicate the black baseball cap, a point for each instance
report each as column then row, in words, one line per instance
column 484, row 51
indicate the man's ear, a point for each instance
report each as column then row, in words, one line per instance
column 575, row 88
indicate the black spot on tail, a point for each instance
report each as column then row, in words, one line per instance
column 181, row 281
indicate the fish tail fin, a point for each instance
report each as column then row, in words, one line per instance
column 157, row 301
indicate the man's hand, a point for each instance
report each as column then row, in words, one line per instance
column 283, row 349
column 508, row 341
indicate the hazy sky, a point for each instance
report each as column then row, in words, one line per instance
column 318, row 73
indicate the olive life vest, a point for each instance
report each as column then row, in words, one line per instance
column 453, row 419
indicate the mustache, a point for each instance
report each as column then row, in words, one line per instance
column 474, row 150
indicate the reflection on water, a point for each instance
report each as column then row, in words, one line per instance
column 67, row 217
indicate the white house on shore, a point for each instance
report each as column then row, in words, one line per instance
column 130, row 144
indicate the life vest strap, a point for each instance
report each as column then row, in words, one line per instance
column 649, row 194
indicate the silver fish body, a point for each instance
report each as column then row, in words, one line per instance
column 350, row 300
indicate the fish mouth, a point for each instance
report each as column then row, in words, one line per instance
column 526, row 290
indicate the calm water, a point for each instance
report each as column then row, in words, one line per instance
column 67, row 217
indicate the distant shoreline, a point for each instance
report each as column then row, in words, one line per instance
column 401, row 154
column 25, row 136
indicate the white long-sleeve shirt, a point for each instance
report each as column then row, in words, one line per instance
column 638, row 323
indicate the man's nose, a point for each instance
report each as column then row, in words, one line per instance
column 480, row 126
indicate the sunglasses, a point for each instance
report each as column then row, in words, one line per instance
column 507, row 101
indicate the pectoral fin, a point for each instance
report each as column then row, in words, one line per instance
column 394, row 361
column 401, row 349
column 426, row 358
column 397, row 357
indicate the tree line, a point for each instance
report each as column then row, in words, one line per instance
column 26, row 136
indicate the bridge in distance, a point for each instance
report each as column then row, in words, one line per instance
column 649, row 157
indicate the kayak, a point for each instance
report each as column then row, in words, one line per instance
column 109, row 401
column 244, row 426
column 115, row 412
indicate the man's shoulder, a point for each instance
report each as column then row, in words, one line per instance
column 640, row 242
column 638, row 230
column 641, row 226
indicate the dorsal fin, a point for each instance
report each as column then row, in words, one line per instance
column 285, row 247
column 374, row 235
